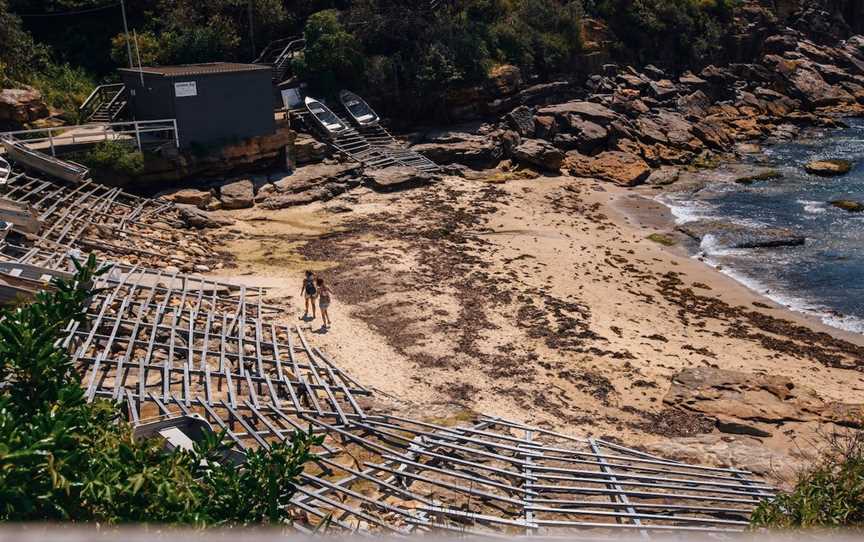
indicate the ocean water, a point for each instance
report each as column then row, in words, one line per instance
column 825, row 277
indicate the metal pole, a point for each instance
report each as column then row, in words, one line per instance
column 126, row 30
column 251, row 28
column 138, row 54
column 138, row 136
column 51, row 142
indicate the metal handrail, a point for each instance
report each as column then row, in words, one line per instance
column 117, row 95
column 100, row 132
column 90, row 104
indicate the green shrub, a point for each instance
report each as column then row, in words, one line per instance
column 332, row 59
column 63, row 87
column 676, row 33
column 64, row 459
column 114, row 157
column 831, row 494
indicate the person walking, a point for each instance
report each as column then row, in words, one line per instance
column 309, row 292
column 324, row 298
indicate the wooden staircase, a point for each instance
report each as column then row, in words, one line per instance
column 104, row 104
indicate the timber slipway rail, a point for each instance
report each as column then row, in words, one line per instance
column 170, row 344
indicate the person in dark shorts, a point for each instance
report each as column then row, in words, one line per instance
column 309, row 291
column 324, row 298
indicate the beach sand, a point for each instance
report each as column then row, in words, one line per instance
column 540, row 300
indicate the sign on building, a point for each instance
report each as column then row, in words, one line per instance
column 185, row 88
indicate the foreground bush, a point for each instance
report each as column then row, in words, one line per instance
column 62, row 458
column 114, row 158
column 829, row 495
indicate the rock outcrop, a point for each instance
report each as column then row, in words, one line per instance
column 828, row 168
column 21, row 106
column 191, row 196
column 238, row 194
column 539, row 153
column 750, row 403
column 395, row 178
column 848, row 205
column 623, row 168
column 732, row 235
column 319, row 182
column 476, row 150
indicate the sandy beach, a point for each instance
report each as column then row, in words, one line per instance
column 540, row 300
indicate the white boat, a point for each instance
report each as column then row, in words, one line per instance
column 182, row 433
column 5, row 170
column 358, row 109
column 66, row 170
column 324, row 117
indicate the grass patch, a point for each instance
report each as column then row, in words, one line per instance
column 662, row 239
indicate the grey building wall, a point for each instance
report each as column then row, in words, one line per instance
column 227, row 106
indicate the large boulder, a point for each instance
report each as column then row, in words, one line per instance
column 731, row 235
column 521, row 120
column 394, row 178
column 308, row 184
column 239, row 194
column 623, row 168
column 747, row 397
column 452, row 147
column 308, row 177
column 20, row 106
column 828, row 168
column 306, row 150
column 539, row 153
column 191, row 196
column 594, row 112
column 193, row 217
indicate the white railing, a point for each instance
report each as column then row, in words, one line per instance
column 141, row 131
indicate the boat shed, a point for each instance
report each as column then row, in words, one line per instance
column 213, row 103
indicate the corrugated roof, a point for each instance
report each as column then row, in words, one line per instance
column 198, row 69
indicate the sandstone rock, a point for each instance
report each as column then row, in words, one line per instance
column 586, row 110
column 588, row 135
column 731, row 235
column 454, row 147
column 20, row 106
column 539, row 153
column 663, row 176
column 545, row 127
column 504, row 80
column 193, row 217
column 848, row 205
column 397, row 178
column 239, row 194
column 306, row 150
column 828, row 168
column 752, row 397
column 521, row 120
column 622, row 168
column 663, row 90
column 741, row 452
column 191, row 196
column 308, row 177
column 320, row 193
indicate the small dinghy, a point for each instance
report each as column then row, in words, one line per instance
column 358, row 109
column 182, row 433
column 324, row 117
column 61, row 169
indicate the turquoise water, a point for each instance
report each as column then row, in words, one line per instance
column 824, row 277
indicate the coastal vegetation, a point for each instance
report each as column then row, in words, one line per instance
column 830, row 494
column 63, row 458
column 410, row 54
